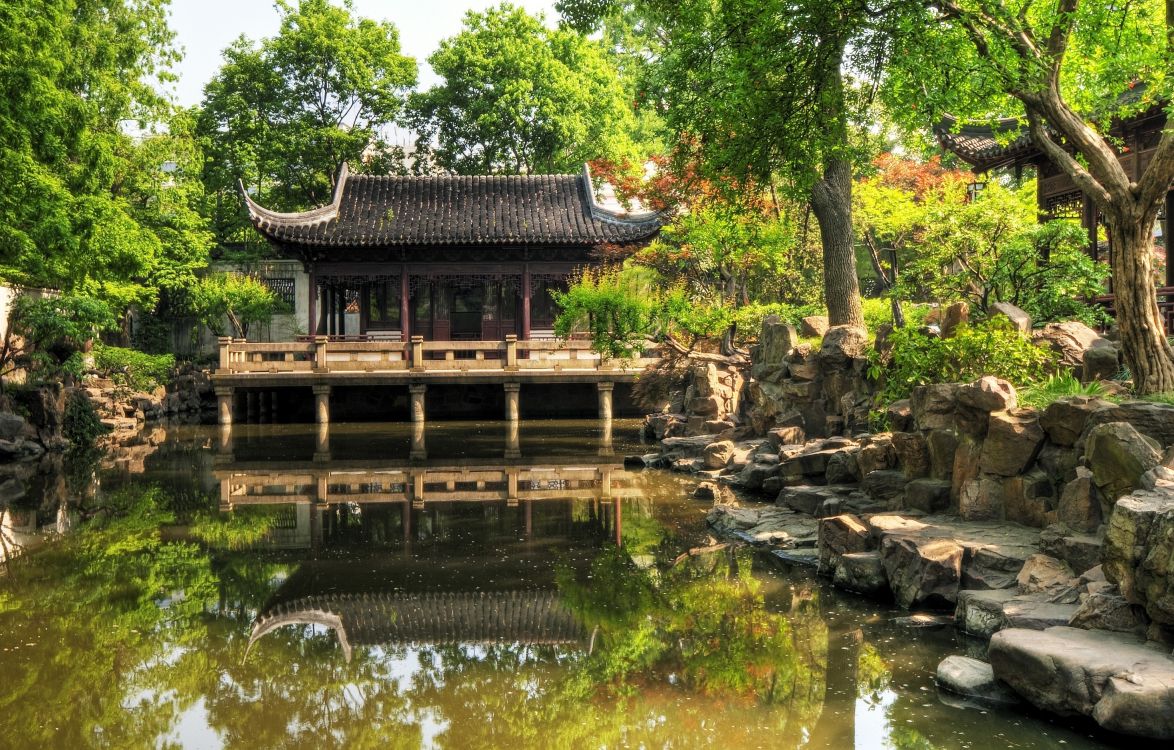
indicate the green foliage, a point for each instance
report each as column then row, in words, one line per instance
column 616, row 310
column 240, row 529
column 86, row 208
column 737, row 255
column 134, row 369
column 991, row 250
column 1058, row 386
column 285, row 114
column 520, row 98
column 54, row 330
column 237, row 298
column 80, row 424
column 878, row 311
column 988, row 348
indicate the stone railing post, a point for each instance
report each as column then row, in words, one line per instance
column 224, row 341
column 320, row 361
column 511, row 351
column 417, row 354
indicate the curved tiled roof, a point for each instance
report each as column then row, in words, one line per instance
column 530, row 617
column 391, row 211
column 989, row 145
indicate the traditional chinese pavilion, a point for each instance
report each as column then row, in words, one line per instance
column 447, row 257
column 1007, row 144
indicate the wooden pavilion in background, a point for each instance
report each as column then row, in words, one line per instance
column 448, row 258
column 1007, row 144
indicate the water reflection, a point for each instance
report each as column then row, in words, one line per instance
column 280, row 586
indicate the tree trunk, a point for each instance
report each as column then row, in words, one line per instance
column 831, row 201
column 1147, row 352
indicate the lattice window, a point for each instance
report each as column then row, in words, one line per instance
column 283, row 287
column 1068, row 205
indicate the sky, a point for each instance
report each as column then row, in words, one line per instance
column 205, row 27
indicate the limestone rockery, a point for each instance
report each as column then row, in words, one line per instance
column 1050, row 532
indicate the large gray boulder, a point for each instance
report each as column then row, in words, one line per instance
column 1113, row 678
column 1070, row 339
column 842, row 344
column 981, row 499
column 912, row 453
column 1080, row 503
column 11, row 426
column 971, row 678
column 1101, row 362
column 1138, row 553
column 841, row 535
column 861, row 572
column 1064, row 420
column 1108, row 610
column 813, row 325
column 717, row 455
column 933, row 406
column 1018, row 318
column 1150, row 419
column 1118, row 455
column 776, row 342
column 922, row 571
column 1013, row 439
column 988, row 394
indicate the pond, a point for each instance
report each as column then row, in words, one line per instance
column 464, row 585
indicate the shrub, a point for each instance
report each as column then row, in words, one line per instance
column 878, row 311
column 992, row 347
column 134, row 369
column 1056, row 387
column 80, row 424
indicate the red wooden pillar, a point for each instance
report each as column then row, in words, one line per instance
column 525, row 301
column 312, row 327
column 405, row 308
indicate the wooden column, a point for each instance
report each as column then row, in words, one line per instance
column 525, row 302
column 328, row 309
column 405, row 307
column 341, row 311
column 312, row 323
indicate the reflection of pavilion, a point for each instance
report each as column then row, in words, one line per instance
column 394, row 618
column 474, row 580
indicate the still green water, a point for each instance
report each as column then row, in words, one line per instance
column 460, row 587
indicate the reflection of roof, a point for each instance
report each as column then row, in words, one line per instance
column 387, row 210
column 987, row 146
column 530, row 617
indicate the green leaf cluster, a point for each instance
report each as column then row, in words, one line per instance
column 86, row 207
column 283, row 115
column 237, row 299
column 991, row 347
column 992, row 249
column 521, row 98
column 133, row 369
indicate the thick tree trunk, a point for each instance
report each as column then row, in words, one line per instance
column 1147, row 351
column 831, row 201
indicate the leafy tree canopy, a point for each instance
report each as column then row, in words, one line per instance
column 521, row 98
column 284, row 115
column 87, row 208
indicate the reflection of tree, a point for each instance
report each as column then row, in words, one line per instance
column 130, row 632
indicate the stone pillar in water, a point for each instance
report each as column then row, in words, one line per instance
column 605, row 390
column 417, row 392
column 511, row 401
column 224, row 405
column 322, row 404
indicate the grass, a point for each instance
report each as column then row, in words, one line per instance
column 1060, row 386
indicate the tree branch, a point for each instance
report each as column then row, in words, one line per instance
column 1066, row 161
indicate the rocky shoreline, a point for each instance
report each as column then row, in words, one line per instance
column 1049, row 532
